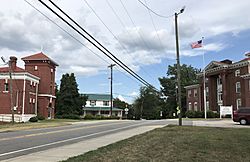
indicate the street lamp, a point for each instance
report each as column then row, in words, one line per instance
column 178, row 65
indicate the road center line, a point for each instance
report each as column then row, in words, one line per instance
column 58, row 131
column 71, row 139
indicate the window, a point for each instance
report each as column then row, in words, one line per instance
column 249, row 84
column 195, row 106
column 219, row 80
column 189, row 93
column 219, row 96
column 190, row 106
column 238, row 103
column 207, row 105
column 237, row 85
column 6, row 87
column 92, row 103
column 237, row 72
column 195, row 92
column 36, row 68
column 105, row 103
column 207, row 91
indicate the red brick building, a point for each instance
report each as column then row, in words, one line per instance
column 227, row 84
column 33, row 88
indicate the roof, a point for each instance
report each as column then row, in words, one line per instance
column 98, row 97
column 16, row 70
column 37, row 57
column 192, row 86
column 101, row 108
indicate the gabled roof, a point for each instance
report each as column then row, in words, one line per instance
column 215, row 64
column 37, row 57
column 98, row 97
column 16, row 70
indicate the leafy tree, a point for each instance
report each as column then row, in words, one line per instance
column 169, row 84
column 148, row 104
column 69, row 100
column 120, row 104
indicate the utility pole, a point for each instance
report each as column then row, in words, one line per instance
column 11, row 94
column 111, row 87
column 178, row 66
column 11, row 89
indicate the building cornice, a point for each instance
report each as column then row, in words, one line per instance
column 192, row 86
column 46, row 95
column 20, row 76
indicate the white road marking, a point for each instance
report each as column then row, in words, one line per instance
column 71, row 139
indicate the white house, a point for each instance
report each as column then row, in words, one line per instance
column 99, row 104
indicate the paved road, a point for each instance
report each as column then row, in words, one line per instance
column 18, row 143
column 60, row 143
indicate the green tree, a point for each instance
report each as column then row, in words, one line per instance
column 148, row 104
column 69, row 100
column 169, row 85
column 120, row 104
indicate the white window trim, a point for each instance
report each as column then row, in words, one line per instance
column 236, row 87
column 237, row 72
column 237, row 103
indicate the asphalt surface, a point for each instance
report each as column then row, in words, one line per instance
column 19, row 143
column 60, row 143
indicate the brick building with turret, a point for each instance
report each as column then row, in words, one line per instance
column 33, row 88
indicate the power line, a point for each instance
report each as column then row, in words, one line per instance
column 125, row 74
column 125, row 49
column 66, row 32
column 115, row 59
column 132, row 21
column 152, row 21
column 163, row 16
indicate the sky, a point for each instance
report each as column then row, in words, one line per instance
column 144, row 41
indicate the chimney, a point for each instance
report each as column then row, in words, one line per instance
column 13, row 60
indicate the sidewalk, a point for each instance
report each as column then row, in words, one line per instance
column 64, row 152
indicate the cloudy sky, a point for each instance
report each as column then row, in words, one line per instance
column 142, row 40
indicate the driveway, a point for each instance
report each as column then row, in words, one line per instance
column 225, row 123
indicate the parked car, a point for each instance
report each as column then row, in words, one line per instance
column 242, row 115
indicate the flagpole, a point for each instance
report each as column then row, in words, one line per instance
column 204, row 81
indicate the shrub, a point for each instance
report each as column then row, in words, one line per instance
column 89, row 117
column 199, row 114
column 33, row 119
column 68, row 116
column 40, row 117
column 71, row 116
column 211, row 114
column 190, row 114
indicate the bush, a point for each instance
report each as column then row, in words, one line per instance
column 40, row 117
column 68, row 116
column 211, row 114
column 33, row 119
column 190, row 114
column 89, row 117
column 100, row 117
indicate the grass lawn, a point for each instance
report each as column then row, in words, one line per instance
column 39, row 124
column 174, row 143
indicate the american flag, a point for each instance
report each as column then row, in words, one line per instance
column 197, row 44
